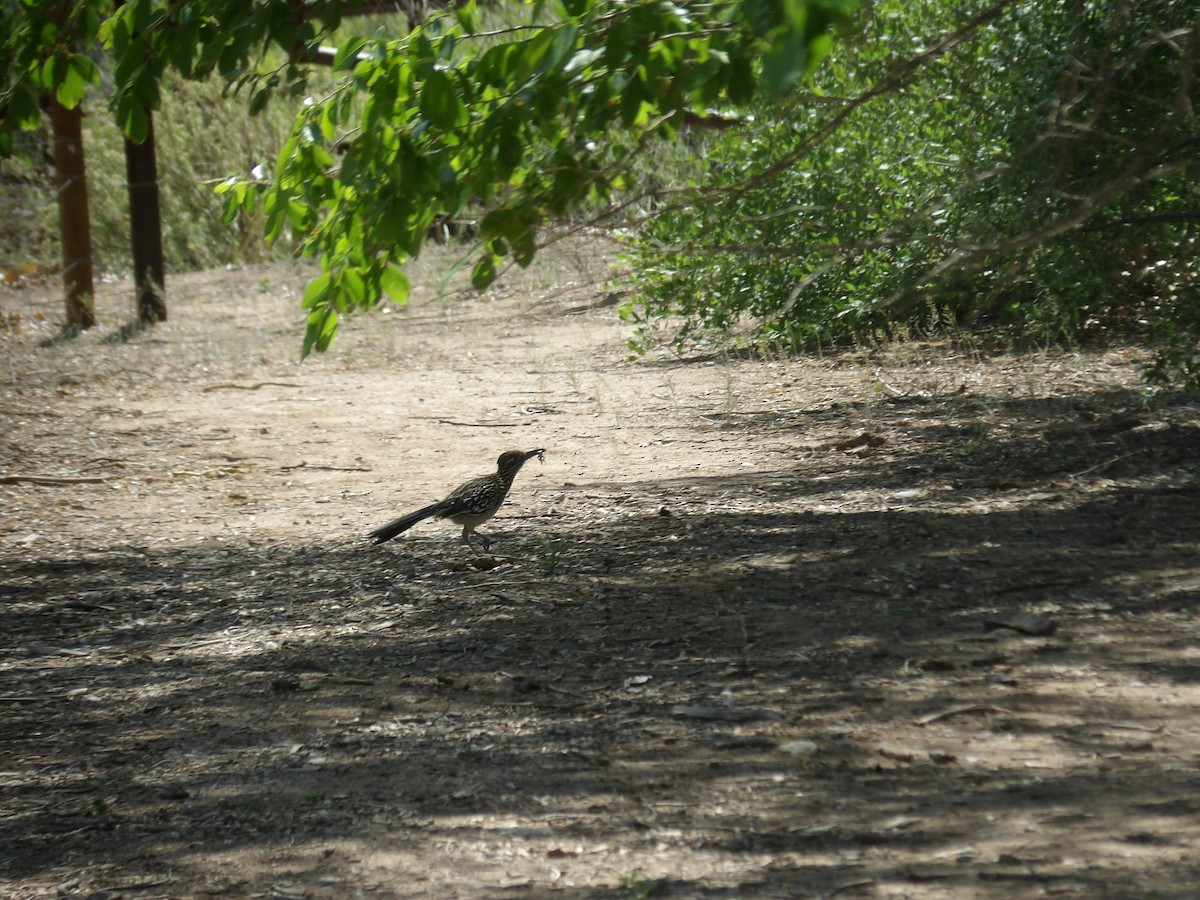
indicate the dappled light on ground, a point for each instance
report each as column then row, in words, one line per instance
column 918, row 622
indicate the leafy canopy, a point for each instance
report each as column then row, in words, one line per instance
column 529, row 122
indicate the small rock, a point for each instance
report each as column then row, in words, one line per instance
column 800, row 748
column 1144, row 837
column 937, row 665
column 1024, row 623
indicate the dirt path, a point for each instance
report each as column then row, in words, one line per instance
column 920, row 623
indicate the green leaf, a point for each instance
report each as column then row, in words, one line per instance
column 259, row 101
column 287, row 152
column 298, row 213
column 524, row 246
column 321, row 329
column 819, row 48
column 578, row 8
column 583, row 58
column 347, row 54
column 518, row 227
column 692, row 80
column 276, row 210
column 85, row 67
column 132, row 118
column 139, row 16
column 395, row 284
column 786, row 62
column 115, row 33
column 440, row 103
column 233, row 203
column 796, row 13
column 87, row 22
column 317, row 290
column 51, row 72
column 22, row 108
column 353, row 293
column 741, row 81
column 505, row 137
column 496, row 64
column 530, row 53
column 484, row 272
column 182, row 49
column 564, row 42
column 466, row 14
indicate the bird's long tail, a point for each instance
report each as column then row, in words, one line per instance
column 402, row 524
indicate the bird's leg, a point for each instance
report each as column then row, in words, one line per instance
column 468, row 532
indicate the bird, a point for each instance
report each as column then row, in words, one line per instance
column 471, row 503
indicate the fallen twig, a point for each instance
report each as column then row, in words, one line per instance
column 481, row 424
column 960, row 711
column 1099, row 467
column 1131, row 726
column 53, row 480
column 304, row 465
column 230, row 386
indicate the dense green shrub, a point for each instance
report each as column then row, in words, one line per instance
column 1026, row 166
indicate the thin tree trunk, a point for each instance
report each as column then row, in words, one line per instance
column 74, row 221
column 141, row 170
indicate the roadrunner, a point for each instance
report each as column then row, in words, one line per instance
column 471, row 503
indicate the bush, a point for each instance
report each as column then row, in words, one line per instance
column 1029, row 172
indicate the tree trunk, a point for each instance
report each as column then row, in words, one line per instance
column 74, row 222
column 141, row 170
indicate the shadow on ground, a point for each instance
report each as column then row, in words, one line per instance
column 697, row 681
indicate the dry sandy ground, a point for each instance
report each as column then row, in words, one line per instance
column 919, row 622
